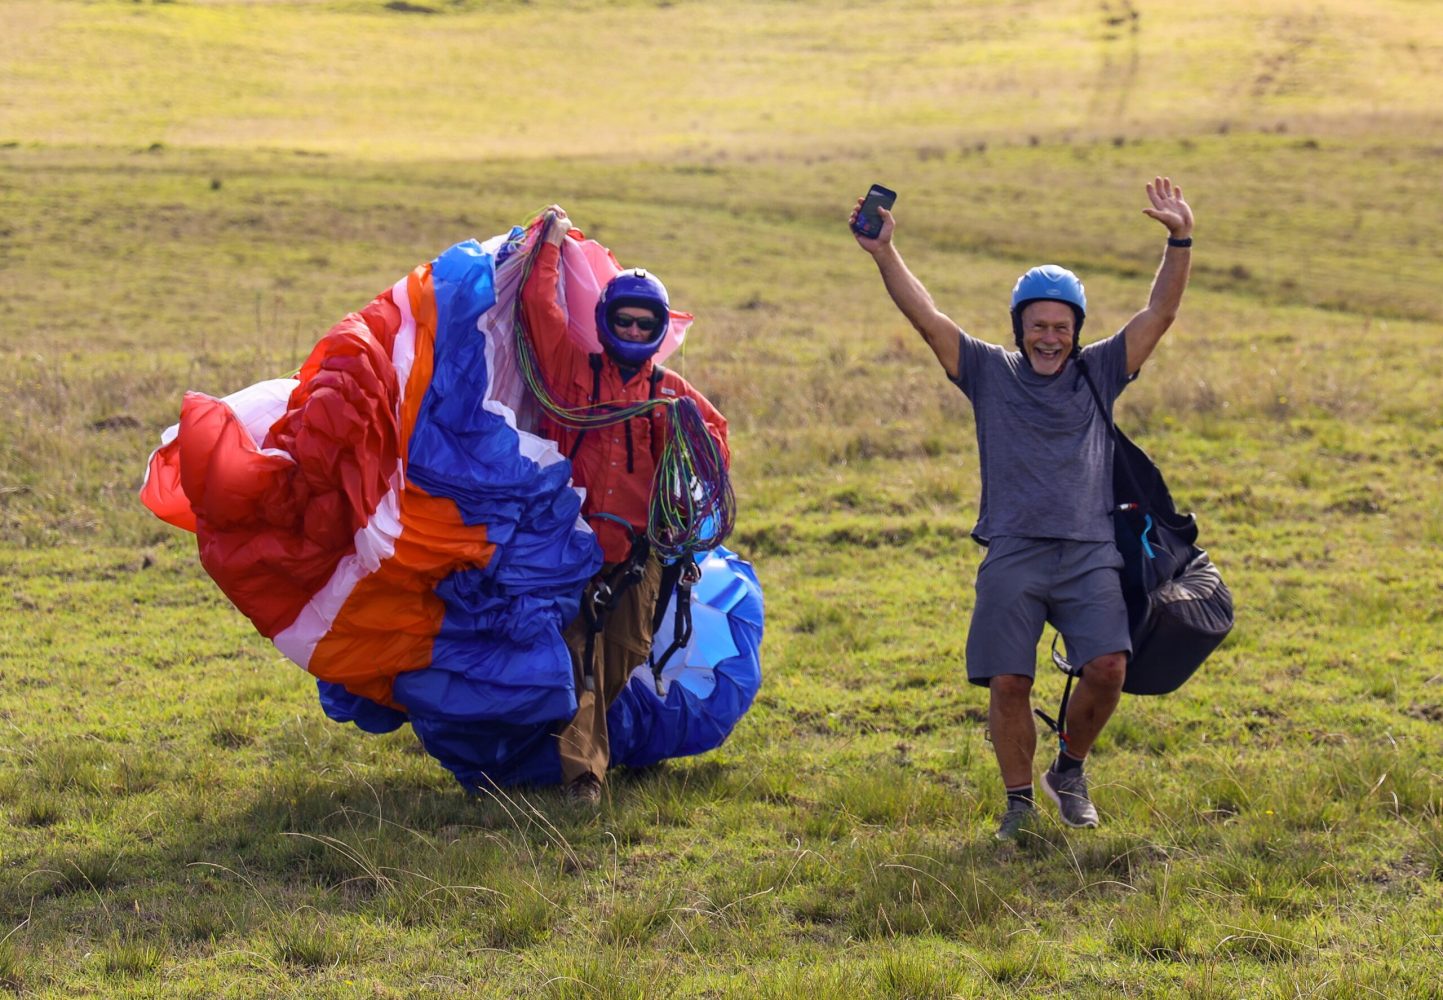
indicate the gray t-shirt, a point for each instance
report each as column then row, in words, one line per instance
column 1045, row 451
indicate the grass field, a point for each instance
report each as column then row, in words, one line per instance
column 192, row 192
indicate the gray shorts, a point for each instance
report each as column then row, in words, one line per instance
column 1026, row 582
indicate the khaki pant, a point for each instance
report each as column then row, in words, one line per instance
column 623, row 644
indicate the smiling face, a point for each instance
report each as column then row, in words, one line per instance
column 1047, row 334
column 634, row 332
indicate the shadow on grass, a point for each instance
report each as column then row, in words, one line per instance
column 401, row 849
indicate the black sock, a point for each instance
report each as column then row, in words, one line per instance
column 1021, row 795
column 1066, row 762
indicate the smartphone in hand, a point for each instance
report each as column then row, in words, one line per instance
column 869, row 223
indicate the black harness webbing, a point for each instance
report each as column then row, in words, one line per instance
column 606, row 594
column 1059, row 724
column 680, row 577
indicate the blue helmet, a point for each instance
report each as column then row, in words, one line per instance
column 1053, row 284
column 635, row 287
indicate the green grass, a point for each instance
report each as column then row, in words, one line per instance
column 194, row 192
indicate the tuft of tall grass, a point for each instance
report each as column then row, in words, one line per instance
column 90, row 873
column 632, row 921
column 893, row 798
column 14, row 965
column 918, row 976
column 1153, row 932
column 522, row 918
column 205, row 921
column 1430, row 835
column 310, row 943
column 126, row 956
column 911, row 893
column 1020, row 963
column 1119, row 858
column 1264, row 937
column 42, row 809
column 800, row 978
column 605, row 975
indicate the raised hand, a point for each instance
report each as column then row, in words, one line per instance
column 559, row 226
column 1169, row 207
column 883, row 237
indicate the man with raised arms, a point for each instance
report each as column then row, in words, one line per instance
column 1044, row 516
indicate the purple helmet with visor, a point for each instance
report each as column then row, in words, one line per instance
column 635, row 287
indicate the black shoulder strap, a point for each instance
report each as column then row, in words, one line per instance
column 1117, row 436
column 1097, row 396
column 596, row 363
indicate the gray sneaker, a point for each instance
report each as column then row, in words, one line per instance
column 1069, row 791
column 1019, row 816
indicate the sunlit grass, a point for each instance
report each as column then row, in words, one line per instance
column 479, row 80
column 194, row 192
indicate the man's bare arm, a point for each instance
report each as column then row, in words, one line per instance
column 1145, row 329
column 911, row 296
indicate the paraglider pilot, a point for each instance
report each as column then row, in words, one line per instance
column 1046, row 471
column 615, row 465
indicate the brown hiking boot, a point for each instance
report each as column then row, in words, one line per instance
column 585, row 789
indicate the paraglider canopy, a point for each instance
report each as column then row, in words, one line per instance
column 392, row 523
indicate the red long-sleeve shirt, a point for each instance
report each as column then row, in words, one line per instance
column 615, row 464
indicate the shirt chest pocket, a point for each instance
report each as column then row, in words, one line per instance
column 581, row 389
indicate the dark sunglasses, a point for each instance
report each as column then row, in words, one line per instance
column 645, row 324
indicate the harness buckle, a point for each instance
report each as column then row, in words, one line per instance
column 690, row 573
column 600, row 598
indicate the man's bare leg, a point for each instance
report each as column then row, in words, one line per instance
column 1094, row 701
column 1009, row 721
column 1087, row 712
